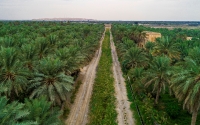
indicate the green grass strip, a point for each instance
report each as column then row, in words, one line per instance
column 133, row 106
column 102, row 105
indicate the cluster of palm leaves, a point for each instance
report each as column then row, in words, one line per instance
column 167, row 65
column 38, row 61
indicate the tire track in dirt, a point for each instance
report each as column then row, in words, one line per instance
column 124, row 116
column 79, row 111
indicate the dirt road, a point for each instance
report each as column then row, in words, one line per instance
column 79, row 111
column 125, row 116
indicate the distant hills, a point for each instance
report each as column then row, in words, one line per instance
column 63, row 19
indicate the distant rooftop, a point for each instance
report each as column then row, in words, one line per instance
column 150, row 32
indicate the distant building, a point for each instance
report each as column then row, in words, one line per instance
column 188, row 38
column 143, row 24
column 107, row 25
column 150, row 36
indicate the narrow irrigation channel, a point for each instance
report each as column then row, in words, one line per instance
column 102, row 105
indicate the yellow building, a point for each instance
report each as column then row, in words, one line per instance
column 150, row 36
column 188, row 38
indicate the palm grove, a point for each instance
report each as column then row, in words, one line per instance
column 39, row 62
column 165, row 75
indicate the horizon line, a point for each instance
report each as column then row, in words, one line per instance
column 85, row 19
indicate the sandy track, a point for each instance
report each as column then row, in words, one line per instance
column 79, row 111
column 124, row 116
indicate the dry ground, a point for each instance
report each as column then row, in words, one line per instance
column 125, row 116
column 79, row 110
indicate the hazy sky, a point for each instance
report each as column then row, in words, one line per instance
column 102, row 9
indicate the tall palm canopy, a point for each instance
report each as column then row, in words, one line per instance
column 13, row 76
column 40, row 111
column 167, row 47
column 158, row 75
column 13, row 113
column 134, row 57
column 186, row 86
column 51, row 81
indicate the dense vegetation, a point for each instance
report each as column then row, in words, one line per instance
column 102, row 105
column 39, row 62
column 164, row 74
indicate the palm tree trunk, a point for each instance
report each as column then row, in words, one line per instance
column 157, row 96
column 194, row 117
column 158, row 93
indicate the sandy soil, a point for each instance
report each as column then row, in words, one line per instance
column 125, row 116
column 79, row 111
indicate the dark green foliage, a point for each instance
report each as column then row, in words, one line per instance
column 173, row 110
column 13, row 113
column 40, row 59
column 126, row 45
column 172, row 107
column 194, row 54
column 40, row 110
column 51, row 81
column 42, row 46
column 66, row 55
column 149, row 46
column 136, row 76
column 134, row 57
column 172, row 65
column 86, row 31
column 7, row 42
column 165, row 46
column 150, row 115
column 12, row 76
column 28, row 55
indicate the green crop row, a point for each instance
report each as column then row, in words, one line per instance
column 102, row 105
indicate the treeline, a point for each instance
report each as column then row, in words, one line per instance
column 39, row 62
column 164, row 74
column 156, row 23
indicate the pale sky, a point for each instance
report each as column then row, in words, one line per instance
column 147, row 10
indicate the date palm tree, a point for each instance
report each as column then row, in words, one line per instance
column 88, row 47
column 52, row 40
column 194, row 54
column 166, row 47
column 13, row 113
column 50, row 80
column 125, row 46
column 28, row 52
column 186, row 86
column 53, row 43
column 7, row 42
column 158, row 75
column 149, row 46
column 136, row 76
column 137, row 34
column 13, row 76
column 40, row 111
column 134, row 57
column 42, row 46
column 71, row 58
